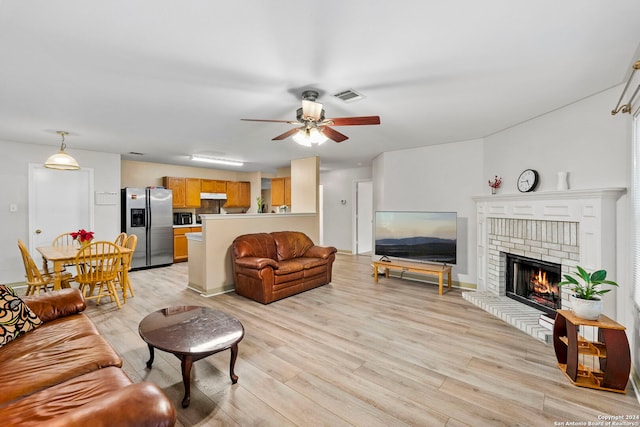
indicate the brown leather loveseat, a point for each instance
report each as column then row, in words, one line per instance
column 63, row 373
column 271, row 266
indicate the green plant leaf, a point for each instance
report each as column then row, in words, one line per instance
column 583, row 274
column 569, row 280
column 598, row 276
column 609, row 282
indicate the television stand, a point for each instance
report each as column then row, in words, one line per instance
column 413, row 267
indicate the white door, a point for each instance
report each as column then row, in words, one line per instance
column 364, row 217
column 59, row 202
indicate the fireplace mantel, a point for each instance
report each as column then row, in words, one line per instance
column 593, row 210
column 570, row 205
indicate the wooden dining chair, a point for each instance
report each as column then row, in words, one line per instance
column 39, row 280
column 97, row 269
column 120, row 238
column 125, row 284
column 65, row 239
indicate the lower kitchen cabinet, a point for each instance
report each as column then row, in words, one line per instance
column 180, row 247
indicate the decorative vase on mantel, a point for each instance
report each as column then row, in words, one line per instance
column 494, row 190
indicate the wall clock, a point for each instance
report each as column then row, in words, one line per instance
column 528, row 180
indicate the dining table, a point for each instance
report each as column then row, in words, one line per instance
column 61, row 256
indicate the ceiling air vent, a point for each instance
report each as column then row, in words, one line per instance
column 348, row 95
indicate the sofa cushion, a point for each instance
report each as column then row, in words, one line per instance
column 59, row 399
column 291, row 244
column 49, row 334
column 289, row 266
column 260, row 245
column 52, row 364
column 16, row 318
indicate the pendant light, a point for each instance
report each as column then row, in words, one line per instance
column 62, row 160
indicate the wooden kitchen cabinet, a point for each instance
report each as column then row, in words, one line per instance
column 192, row 189
column 238, row 194
column 213, row 186
column 186, row 191
column 280, row 192
column 177, row 185
column 180, row 246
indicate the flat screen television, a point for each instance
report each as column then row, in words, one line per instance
column 429, row 237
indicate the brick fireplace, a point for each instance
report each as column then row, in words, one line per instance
column 569, row 228
column 551, row 241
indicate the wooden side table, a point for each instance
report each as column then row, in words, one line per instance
column 611, row 349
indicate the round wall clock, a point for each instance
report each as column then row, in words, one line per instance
column 528, row 180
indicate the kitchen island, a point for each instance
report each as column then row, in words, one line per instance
column 210, row 265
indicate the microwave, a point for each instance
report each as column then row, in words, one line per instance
column 182, row 218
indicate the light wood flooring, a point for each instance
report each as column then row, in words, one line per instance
column 353, row 353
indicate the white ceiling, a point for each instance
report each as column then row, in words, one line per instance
column 172, row 78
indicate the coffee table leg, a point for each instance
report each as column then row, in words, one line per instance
column 232, row 364
column 187, row 362
column 150, row 361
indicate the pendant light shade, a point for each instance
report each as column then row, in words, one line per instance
column 62, row 160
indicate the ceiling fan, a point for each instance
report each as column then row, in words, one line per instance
column 315, row 127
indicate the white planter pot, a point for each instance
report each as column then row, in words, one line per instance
column 589, row 309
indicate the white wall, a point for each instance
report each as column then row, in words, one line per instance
column 14, row 190
column 337, row 218
column 582, row 138
column 436, row 178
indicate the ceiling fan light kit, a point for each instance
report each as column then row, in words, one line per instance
column 218, row 161
column 316, row 129
column 309, row 137
column 61, row 160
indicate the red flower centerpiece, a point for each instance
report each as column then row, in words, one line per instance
column 83, row 236
column 495, row 183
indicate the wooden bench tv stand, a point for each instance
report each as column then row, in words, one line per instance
column 413, row 267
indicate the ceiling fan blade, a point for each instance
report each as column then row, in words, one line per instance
column 271, row 121
column 285, row 135
column 333, row 134
column 311, row 110
column 352, row 121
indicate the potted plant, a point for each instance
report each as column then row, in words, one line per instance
column 585, row 300
column 260, row 204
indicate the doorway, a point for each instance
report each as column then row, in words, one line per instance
column 59, row 202
column 363, row 217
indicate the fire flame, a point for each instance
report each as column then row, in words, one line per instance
column 540, row 283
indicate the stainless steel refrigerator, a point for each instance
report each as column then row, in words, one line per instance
column 148, row 213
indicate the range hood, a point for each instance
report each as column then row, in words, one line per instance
column 213, row 196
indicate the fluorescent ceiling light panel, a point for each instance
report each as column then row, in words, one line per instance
column 218, row 161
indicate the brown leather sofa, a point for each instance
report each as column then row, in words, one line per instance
column 271, row 266
column 63, row 373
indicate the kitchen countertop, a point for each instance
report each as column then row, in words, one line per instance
column 187, row 225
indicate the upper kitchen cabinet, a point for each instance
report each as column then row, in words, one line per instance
column 238, row 194
column 193, row 192
column 280, row 191
column 186, row 191
column 213, row 186
column 177, row 185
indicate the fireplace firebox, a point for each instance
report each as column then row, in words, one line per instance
column 533, row 282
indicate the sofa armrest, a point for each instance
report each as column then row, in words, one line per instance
column 256, row 262
column 52, row 305
column 323, row 252
column 141, row 404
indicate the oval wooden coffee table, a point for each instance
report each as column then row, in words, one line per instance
column 191, row 333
